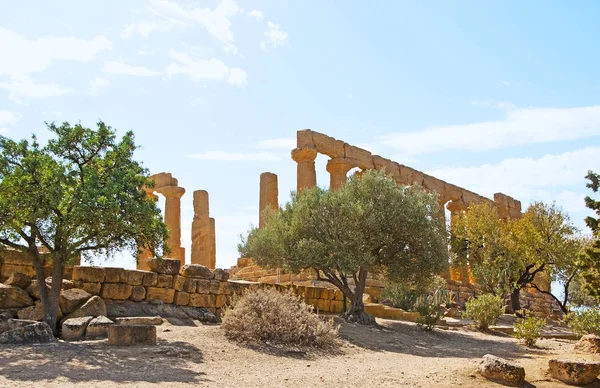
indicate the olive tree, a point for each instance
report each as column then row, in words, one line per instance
column 370, row 225
column 80, row 194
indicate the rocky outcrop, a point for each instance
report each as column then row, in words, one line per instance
column 37, row 332
column 589, row 343
column 499, row 369
column 11, row 296
column 74, row 328
column 574, row 372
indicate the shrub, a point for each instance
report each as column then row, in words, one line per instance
column 529, row 329
column 585, row 321
column 486, row 309
column 401, row 296
column 274, row 318
column 430, row 313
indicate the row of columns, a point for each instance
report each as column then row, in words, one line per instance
column 203, row 232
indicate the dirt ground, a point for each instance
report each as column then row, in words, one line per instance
column 397, row 354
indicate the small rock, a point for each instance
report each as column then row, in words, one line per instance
column 98, row 327
column 11, row 296
column 589, row 343
column 94, row 307
column 196, row 271
column 37, row 332
column 574, row 372
column 139, row 321
column 74, row 328
column 496, row 368
column 164, row 266
column 72, row 299
column 18, row 279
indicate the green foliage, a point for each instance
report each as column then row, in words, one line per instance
column 270, row 317
column 585, row 321
column 369, row 225
column 428, row 307
column 590, row 262
column 401, row 295
column 485, row 309
column 529, row 329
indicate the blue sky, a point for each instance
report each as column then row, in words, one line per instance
column 491, row 96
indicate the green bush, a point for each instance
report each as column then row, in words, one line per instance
column 275, row 318
column 401, row 296
column 585, row 321
column 529, row 329
column 430, row 312
column 485, row 309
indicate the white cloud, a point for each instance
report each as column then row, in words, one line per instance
column 550, row 177
column 205, row 69
column 274, row 37
column 25, row 87
column 518, row 127
column 231, row 49
column 493, row 104
column 287, row 143
column 256, row 14
column 3, row 131
column 170, row 16
column 9, row 118
column 96, row 85
column 21, row 56
column 506, row 83
column 119, row 68
column 237, row 156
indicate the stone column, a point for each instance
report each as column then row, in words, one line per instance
column 144, row 254
column 268, row 195
column 307, row 176
column 337, row 168
column 173, row 196
column 201, row 229
column 213, row 244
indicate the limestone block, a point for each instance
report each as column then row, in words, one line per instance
column 157, row 320
column 304, row 138
column 589, row 343
column 164, row 266
column 98, row 327
column 496, row 368
column 435, row 185
column 390, row 167
column 74, row 328
column 203, row 286
column 124, row 335
column 220, row 301
column 182, row 298
column 166, row 295
column 453, row 192
column 164, row 281
column 201, row 239
column 306, row 174
column 92, row 288
column 324, row 305
column 14, row 257
column 224, row 288
column 138, row 293
column 72, row 299
column 221, row 274
column 327, row 145
column 196, row 271
column 410, row 176
column 37, row 332
column 34, row 289
column 215, row 287
column 88, row 274
column 32, row 313
column 268, row 196
column 115, row 275
column 358, row 157
column 574, row 372
column 94, row 307
column 202, row 300
column 150, row 279
column 9, row 269
column 11, row 296
column 117, row 291
column 18, row 279
column 136, row 277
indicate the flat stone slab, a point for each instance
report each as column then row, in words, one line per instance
column 98, row 327
column 496, row 368
column 196, row 271
column 74, row 328
column 126, row 335
column 38, row 332
column 573, row 371
column 139, row 321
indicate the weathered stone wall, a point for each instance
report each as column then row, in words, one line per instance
column 13, row 261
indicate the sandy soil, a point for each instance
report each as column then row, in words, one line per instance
column 397, row 354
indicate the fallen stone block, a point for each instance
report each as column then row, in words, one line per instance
column 221, row 274
column 139, row 321
column 32, row 313
column 11, row 296
column 98, row 327
column 72, row 299
column 125, row 335
column 74, row 328
column 589, row 343
column 574, row 372
column 94, row 307
column 164, row 266
column 196, row 271
column 496, row 368
column 37, row 332
column 18, row 279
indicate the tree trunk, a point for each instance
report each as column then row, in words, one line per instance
column 356, row 313
column 515, row 303
column 51, row 313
